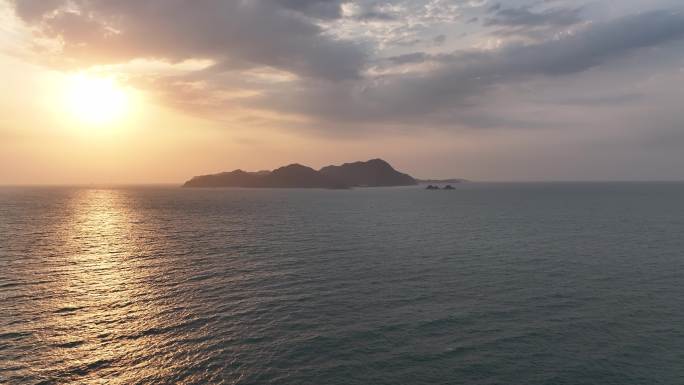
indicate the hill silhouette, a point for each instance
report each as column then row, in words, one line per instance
column 373, row 173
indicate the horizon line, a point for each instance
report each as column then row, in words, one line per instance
column 467, row 181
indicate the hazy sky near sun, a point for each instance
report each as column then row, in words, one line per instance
column 482, row 89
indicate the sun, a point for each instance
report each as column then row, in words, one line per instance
column 95, row 100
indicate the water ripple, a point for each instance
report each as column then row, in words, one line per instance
column 488, row 284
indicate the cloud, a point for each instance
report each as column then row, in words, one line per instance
column 279, row 34
column 462, row 78
column 439, row 39
column 372, row 12
column 291, row 57
column 601, row 101
column 323, row 9
column 524, row 16
column 31, row 10
column 409, row 58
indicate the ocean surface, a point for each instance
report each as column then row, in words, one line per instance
column 558, row 283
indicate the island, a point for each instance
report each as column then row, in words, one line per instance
column 372, row 173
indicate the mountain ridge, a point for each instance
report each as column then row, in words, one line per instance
column 372, row 173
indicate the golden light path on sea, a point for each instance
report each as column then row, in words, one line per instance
column 102, row 305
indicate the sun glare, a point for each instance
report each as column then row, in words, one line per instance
column 95, row 100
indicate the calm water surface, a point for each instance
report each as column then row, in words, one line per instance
column 488, row 284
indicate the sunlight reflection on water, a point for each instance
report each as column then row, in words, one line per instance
column 90, row 305
column 94, row 304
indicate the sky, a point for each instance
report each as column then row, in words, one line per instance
column 156, row 91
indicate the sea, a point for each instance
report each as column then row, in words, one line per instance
column 490, row 283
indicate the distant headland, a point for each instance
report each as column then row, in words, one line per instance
column 372, row 173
